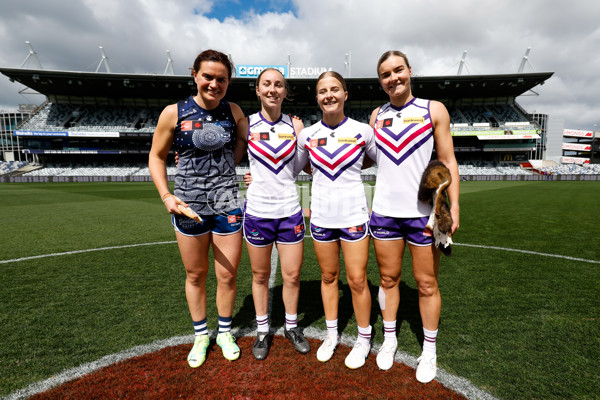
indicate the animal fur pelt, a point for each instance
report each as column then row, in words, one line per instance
column 433, row 190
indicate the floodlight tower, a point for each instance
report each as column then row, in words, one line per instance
column 462, row 63
column 169, row 67
column 104, row 60
column 348, row 63
column 33, row 55
column 525, row 60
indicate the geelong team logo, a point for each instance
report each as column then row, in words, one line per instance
column 210, row 137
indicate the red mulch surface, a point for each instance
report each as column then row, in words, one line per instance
column 285, row 374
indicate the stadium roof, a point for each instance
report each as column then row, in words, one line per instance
column 94, row 87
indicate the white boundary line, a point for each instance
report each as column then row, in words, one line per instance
column 274, row 254
column 67, row 253
column 529, row 252
column 459, row 385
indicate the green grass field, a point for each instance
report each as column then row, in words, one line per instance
column 520, row 325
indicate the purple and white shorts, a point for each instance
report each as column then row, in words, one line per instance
column 261, row 232
column 391, row 228
column 351, row 234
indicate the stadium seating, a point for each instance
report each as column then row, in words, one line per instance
column 10, row 166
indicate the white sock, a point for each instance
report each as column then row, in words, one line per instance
column 332, row 328
column 291, row 321
column 389, row 330
column 262, row 324
column 429, row 341
column 364, row 335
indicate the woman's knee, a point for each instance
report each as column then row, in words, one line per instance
column 389, row 281
column 427, row 287
column 196, row 278
column 261, row 278
column 329, row 278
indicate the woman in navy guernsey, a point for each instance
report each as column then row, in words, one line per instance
column 407, row 130
column 336, row 147
column 205, row 129
column 272, row 211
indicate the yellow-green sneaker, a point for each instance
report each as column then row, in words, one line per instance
column 198, row 354
column 231, row 351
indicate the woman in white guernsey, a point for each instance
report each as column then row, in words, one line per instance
column 272, row 211
column 407, row 130
column 336, row 147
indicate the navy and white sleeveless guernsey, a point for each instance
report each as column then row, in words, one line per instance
column 404, row 138
column 206, row 178
column 336, row 154
column 271, row 151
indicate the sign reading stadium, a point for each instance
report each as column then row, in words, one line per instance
column 307, row 72
column 252, row 71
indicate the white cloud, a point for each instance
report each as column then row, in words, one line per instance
column 564, row 38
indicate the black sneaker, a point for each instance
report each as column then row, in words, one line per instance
column 260, row 348
column 298, row 340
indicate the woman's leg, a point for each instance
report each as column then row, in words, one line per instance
column 260, row 261
column 328, row 256
column 227, row 250
column 291, row 256
column 194, row 254
column 356, row 255
column 389, row 258
column 426, row 263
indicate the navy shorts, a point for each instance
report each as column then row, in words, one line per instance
column 391, row 228
column 220, row 224
column 351, row 234
column 264, row 231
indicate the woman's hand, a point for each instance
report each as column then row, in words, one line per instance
column 248, row 178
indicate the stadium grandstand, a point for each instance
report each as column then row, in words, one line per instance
column 97, row 126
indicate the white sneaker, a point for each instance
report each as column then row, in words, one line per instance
column 387, row 352
column 326, row 350
column 358, row 355
column 427, row 367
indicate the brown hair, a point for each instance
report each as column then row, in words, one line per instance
column 389, row 54
column 213, row 55
column 332, row 74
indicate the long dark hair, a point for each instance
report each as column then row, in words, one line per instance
column 213, row 55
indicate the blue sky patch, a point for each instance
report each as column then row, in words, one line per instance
column 238, row 8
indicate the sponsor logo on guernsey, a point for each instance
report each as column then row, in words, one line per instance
column 414, row 120
column 427, row 232
column 318, row 142
column 190, row 125
column 285, row 136
column 225, row 124
column 348, row 140
column 265, row 136
column 299, row 229
column 386, row 123
column 254, row 136
column 190, row 112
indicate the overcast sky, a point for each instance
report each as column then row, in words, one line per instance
column 564, row 37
